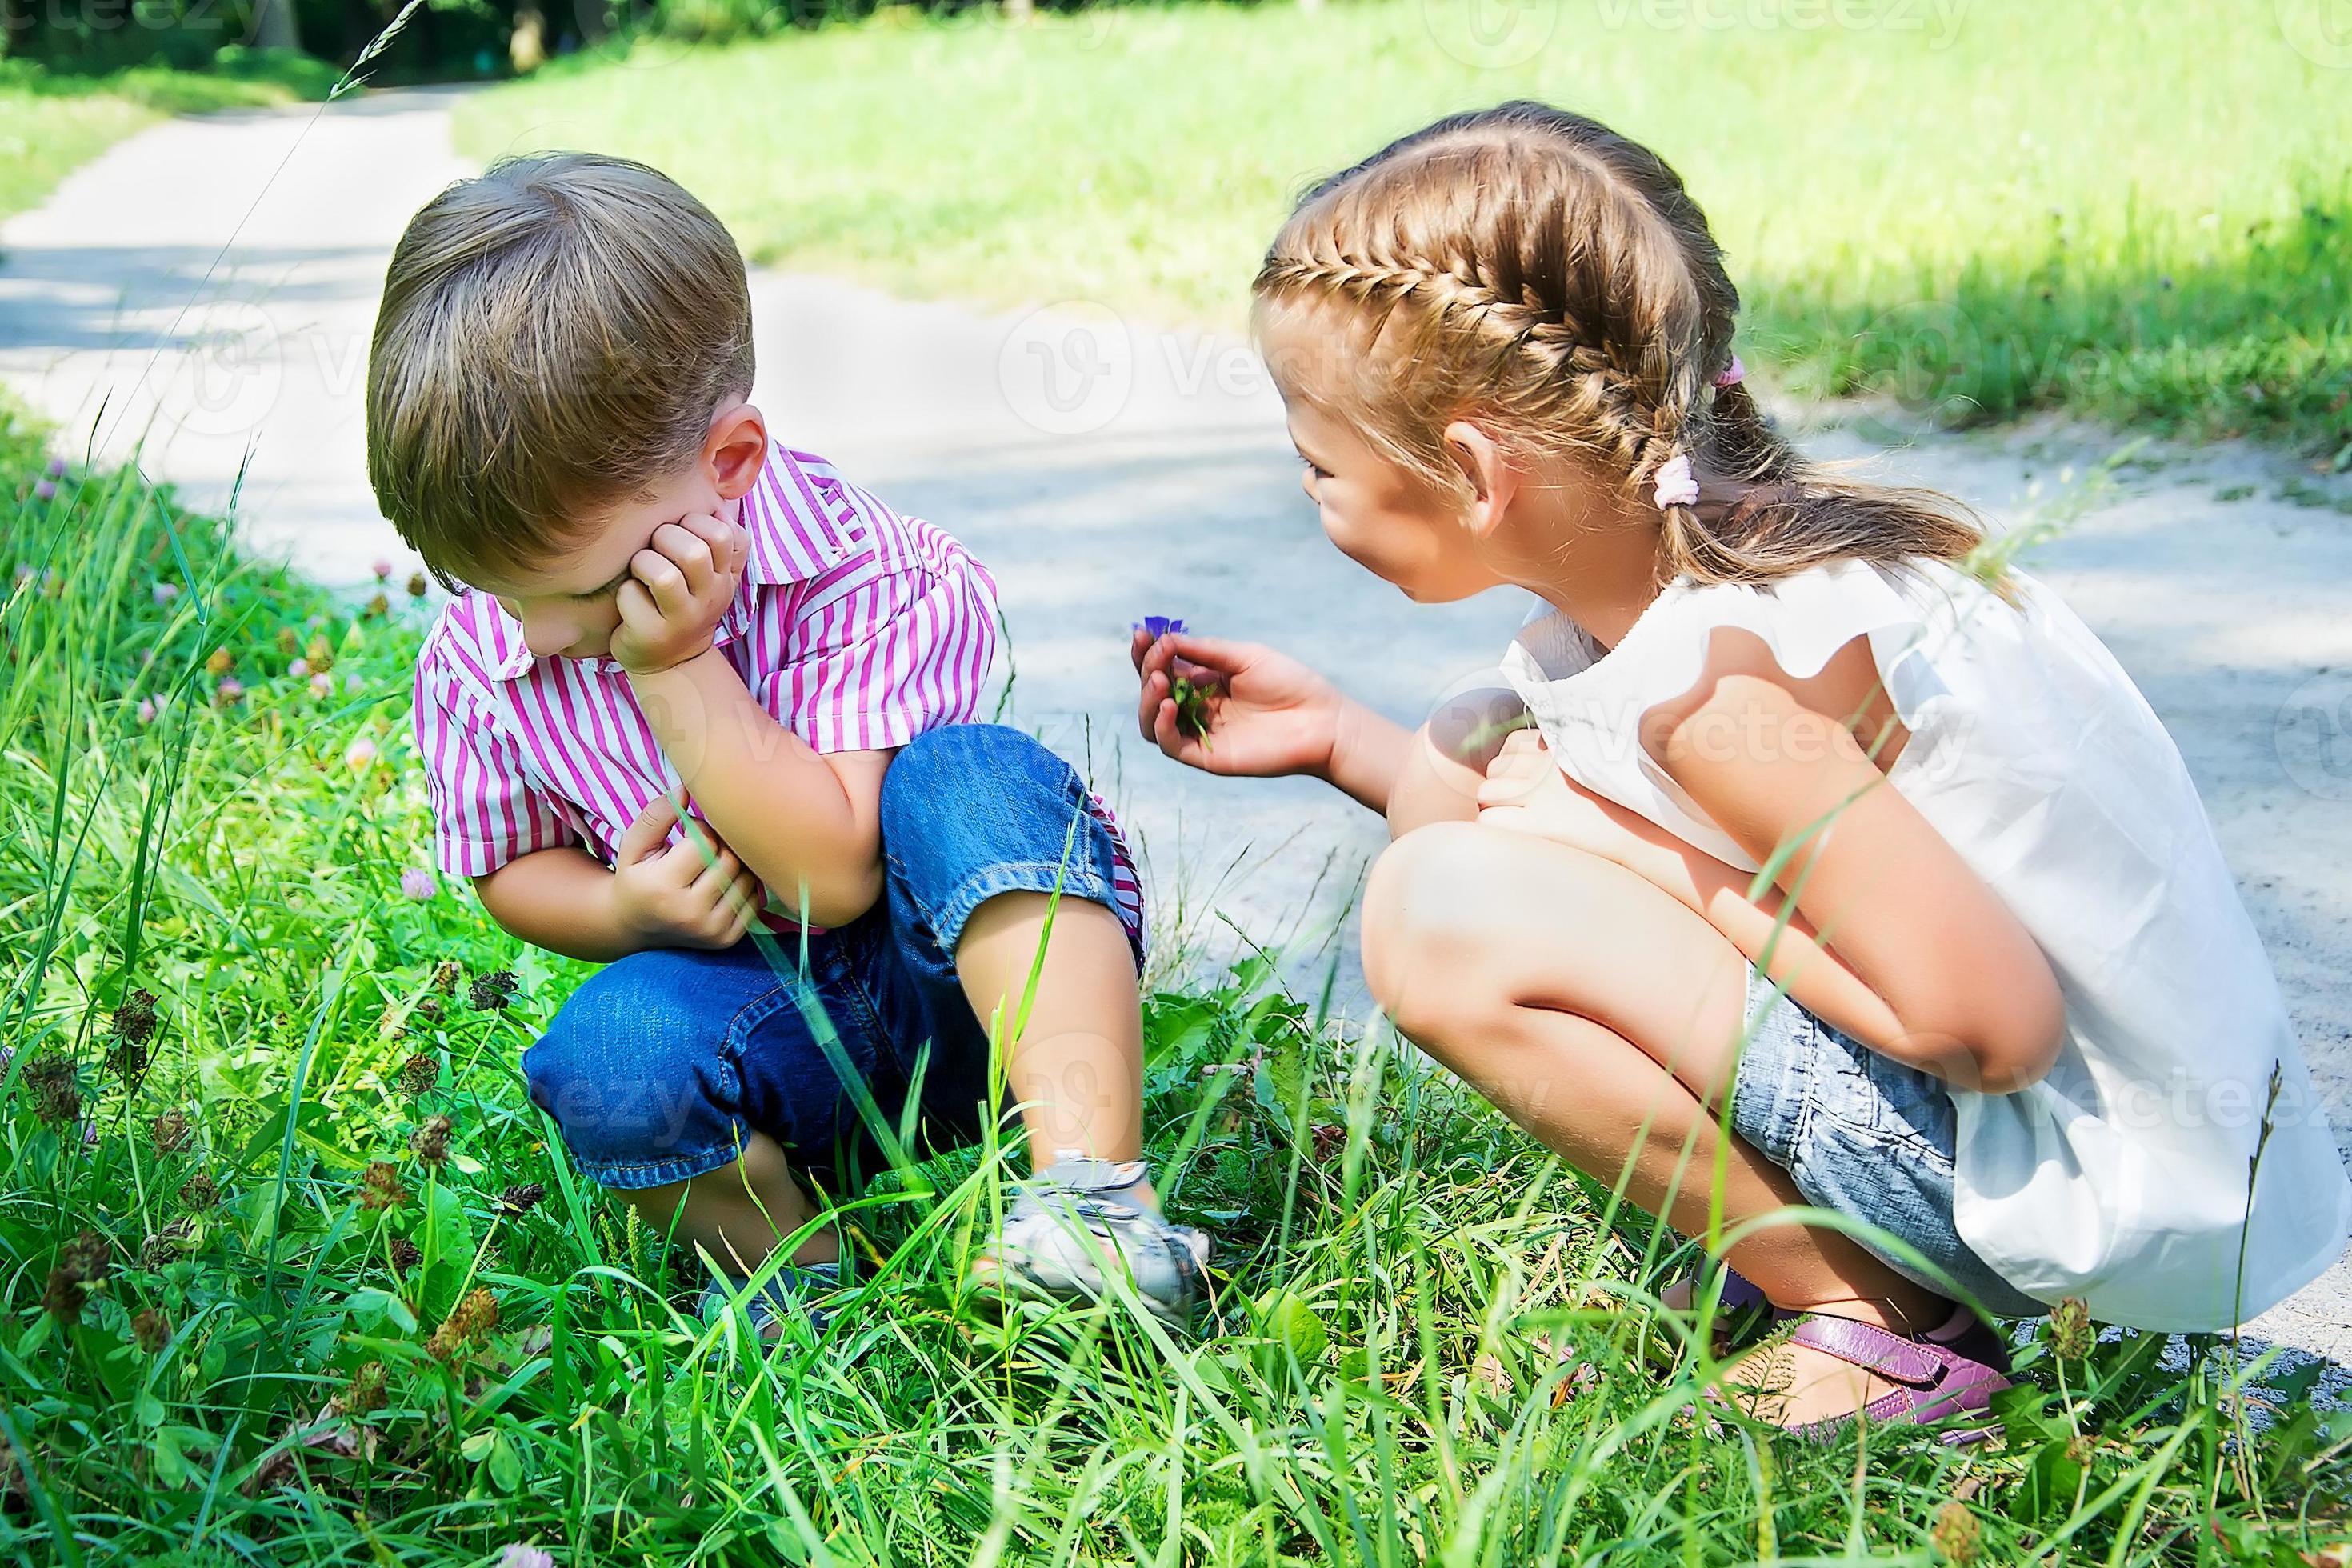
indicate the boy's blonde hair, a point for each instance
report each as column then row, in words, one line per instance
column 1532, row 268
column 554, row 336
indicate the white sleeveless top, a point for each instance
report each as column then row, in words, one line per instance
column 2122, row 1177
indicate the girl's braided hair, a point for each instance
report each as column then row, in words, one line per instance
column 1535, row 270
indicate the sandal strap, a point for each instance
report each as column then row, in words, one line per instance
column 1917, row 1363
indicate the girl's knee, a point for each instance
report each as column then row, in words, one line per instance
column 1429, row 909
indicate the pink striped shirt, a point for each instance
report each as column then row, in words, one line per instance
column 856, row 628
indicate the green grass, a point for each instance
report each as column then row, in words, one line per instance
column 50, row 124
column 213, row 1352
column 2135, row 211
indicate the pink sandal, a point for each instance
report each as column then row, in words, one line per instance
column 1944, row 1374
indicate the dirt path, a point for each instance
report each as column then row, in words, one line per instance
column 1106, row 471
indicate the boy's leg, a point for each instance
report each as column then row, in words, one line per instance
column 1077, row 1065
column 1002, row 894
column 673, row 1076
column 1604, row 1017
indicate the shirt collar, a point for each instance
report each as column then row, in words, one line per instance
column 797, row 522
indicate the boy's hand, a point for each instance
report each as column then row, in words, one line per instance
column 680, row 895
column 678, row 588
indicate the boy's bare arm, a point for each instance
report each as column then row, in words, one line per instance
column 807, row 824
column 694, row 893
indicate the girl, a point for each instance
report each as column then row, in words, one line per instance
column 1993, row 997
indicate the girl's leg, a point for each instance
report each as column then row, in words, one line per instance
column 1604, row 1017
column 739, row 1213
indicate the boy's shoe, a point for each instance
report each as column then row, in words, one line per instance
column 784, row 1294
column 1078, row 1216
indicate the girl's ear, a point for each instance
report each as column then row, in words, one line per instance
column 1492, row 481
column 736, row 450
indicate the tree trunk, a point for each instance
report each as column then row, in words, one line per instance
column 274, row 26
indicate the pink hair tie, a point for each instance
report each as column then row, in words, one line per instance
column 1732, row 374
column 1676, row 485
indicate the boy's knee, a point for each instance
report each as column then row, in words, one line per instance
column 960, row 768
column 624, row 1067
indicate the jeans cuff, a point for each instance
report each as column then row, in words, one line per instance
column 630, row 1175
column 1074, row 878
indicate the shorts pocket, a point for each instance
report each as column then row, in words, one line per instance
column 1873, row 1101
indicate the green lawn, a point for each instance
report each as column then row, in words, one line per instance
column 296, row 1274
column 51, row 124
column 2139, row 212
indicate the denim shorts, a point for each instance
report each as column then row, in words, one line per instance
column 661, row 1065
column 1861, row 1134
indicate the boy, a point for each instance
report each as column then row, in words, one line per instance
column 659, row 602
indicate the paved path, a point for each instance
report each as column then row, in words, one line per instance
column 1107, row 472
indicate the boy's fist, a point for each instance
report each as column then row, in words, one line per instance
column 687, row 894
column 680, row 587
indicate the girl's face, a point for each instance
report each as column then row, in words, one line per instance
column 1381, row 515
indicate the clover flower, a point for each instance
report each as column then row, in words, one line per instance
column 2071, row 1334
column 45, row 490
column 418, row 587
column 200, row 1192
column 152, row 1330
column 428, row 1008
column 147, row 710
column 520, row 1556
column 407, row 1254
column 1957, row 1533
column 165, row 593
column 300, row 670
column 522, row 1197
column 430, row 1143
column 56, row 468
column 381, row 1186
column 378, row 608
column 490, row 993
column 468, row 1321
column 382, row 569
column 322, row 686
column 169, row 1132
column 418, row 1074
column 81, row 1264
column 418, row 884
column 361, row 756
column 167, row 1246
column 57, row 1091
column 365, row 1393
column 321, row 653
column 229, row 692
column 134, row 1016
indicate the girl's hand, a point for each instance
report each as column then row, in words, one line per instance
column 684, row 894
column 679, row 587
column 1526, row 791
column 1260, row 713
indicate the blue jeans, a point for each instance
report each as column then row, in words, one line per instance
column 662, row 1065
column 1861, row 1134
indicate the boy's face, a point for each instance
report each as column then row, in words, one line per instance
column 568, row 605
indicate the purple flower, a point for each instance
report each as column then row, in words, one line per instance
column 24, row 575
column 360, row 755
column 45, row 490
column 56, row 468
column 418, row 884
column 229, row 691
column 1157, row 626
column 146, row 709
column 519, row 1556
column 322, row 686
column 382, row 569
column 300, row 670
column 166, row 592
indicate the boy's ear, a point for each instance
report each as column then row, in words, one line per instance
column 1492, row 481
column 736, row 450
